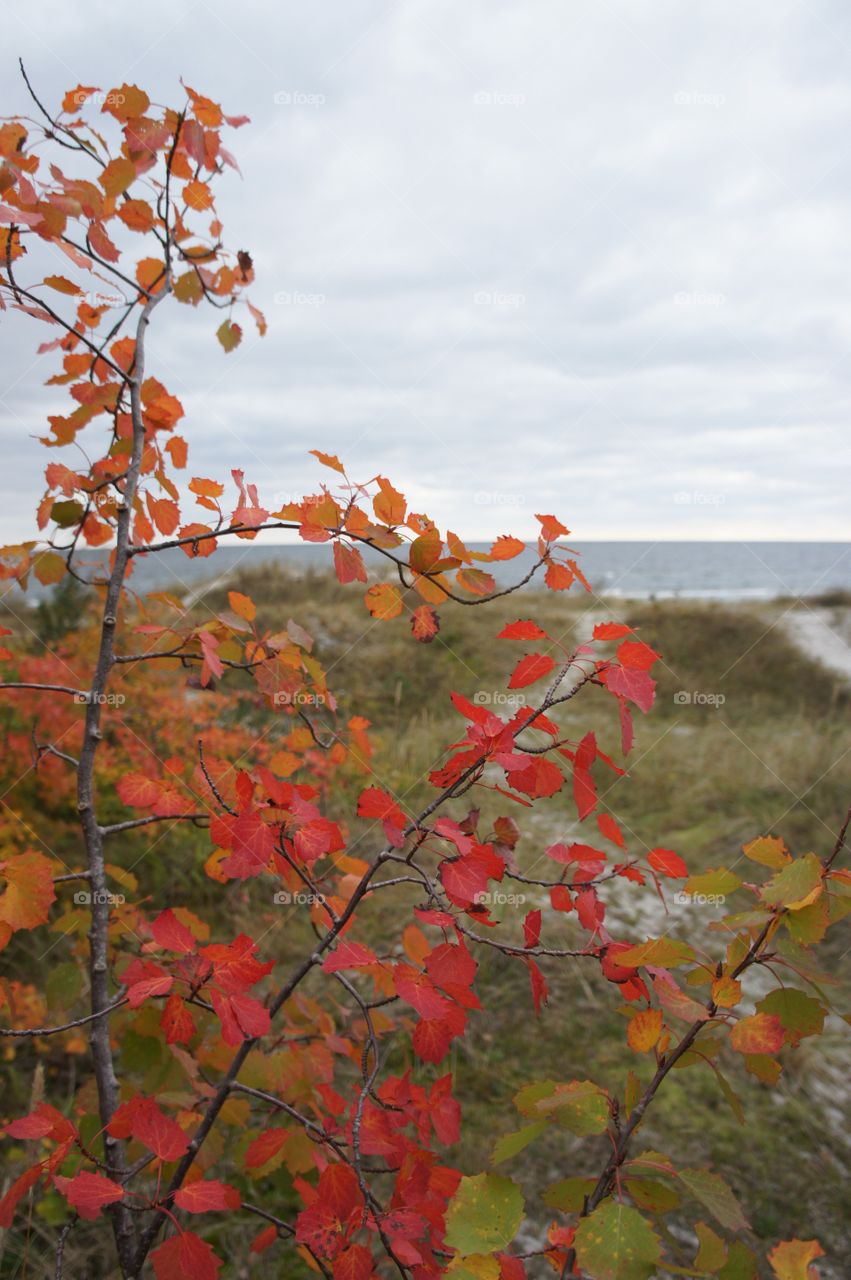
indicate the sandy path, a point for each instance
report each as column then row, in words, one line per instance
column 822, row 634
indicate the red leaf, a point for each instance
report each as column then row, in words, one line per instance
column 171, row 934
column 348, row 563
column 349, row 955
column 529, row 669
column 141, row 1118
column 551, row 528
column 242, row 1017
column 205, row 1196
column 262, row 1242
column 637, row 655
column 417, row 990
column 611, row 631
column 667, row 863
column 88, row 1193
column 177, row 1022
column 532, row 928
column 264, row 1147
column 185, row 1257
column 354, row 1263
column 425, row 624
column 627, row 730
column 637, row 686
column 523, row 629
column 609, row 829
column 540, row 990
column 16, row 1192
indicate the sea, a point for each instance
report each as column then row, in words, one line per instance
column 635, row 570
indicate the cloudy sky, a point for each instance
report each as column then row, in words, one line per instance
column 587, row 257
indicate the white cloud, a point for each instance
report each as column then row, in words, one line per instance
column 591, row 256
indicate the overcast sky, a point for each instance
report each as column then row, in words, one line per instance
column 588, row 257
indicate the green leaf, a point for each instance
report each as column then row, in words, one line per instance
column 714, row 1194
column 579, row 1105
column 66, row 512
column 809, row 925
column 796, row 886
column 720, row 881
column 649, row 1193
column 770, row 851
column 664, row 952
column 484, row 1214
column 616, row 1243
column 63, row 986
column 800, row 1015
column 569, row 1194
column 740, row 1264
column 712, row 1251
column 511, row 1143
column 229, row 335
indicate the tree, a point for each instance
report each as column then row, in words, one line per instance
column 294, row 1067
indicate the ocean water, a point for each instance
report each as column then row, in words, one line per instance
column 637, row 570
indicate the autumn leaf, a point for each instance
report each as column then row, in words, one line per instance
column 88, row 1193
column 25, row 901
column 229, row 335
column 616, row 1243
column 185, row 1257
column 529, row 669
column 206, row 1196
column 644, row 1030
column 383, row 601
column 761, row 1033
column 484, row 1214
column 791, row 1259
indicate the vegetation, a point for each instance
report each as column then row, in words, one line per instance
column 291, row 888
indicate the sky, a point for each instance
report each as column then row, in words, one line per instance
column 588, row 258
